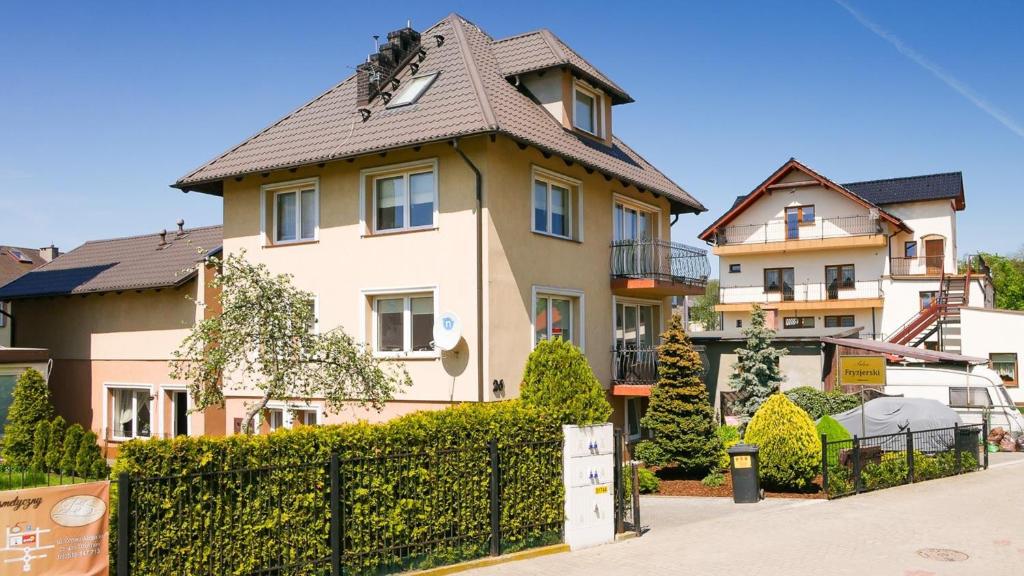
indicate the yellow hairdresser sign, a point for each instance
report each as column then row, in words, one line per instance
column 865, row 370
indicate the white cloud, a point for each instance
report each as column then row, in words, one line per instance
column 937, row 71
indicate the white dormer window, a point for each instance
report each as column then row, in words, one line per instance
column 586, row 112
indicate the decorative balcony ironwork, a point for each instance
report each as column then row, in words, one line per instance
column 660, row 260
column 633, row 365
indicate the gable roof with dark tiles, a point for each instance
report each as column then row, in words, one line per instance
column 946, row 186
column 471, row 95
column 12, row 267
column 132, row 263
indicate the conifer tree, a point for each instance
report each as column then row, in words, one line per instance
column 558, row 380
column 30, row 406
column 756, row 374
column 39, row 444
column 55, row 446
column 679, row 414
column 72, row 441
column 88, row 454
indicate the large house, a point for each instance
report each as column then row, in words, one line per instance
column 874, row 259
column 455, row 172
column 108, row 314
column 15, row 262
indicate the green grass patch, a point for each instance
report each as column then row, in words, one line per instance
column 22, row 480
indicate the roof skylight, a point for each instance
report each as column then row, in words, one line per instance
column 19, row 256
column 413, row 90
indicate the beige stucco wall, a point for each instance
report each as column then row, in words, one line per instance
column 933, row 219
column 345, row 261
column 984, row 331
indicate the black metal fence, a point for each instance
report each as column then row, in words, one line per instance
column 19, row 478
column 627, row 489
column 875, row 462
column 369, row 515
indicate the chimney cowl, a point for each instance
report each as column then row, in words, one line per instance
column 181, row 226
column 381, row 67
column 163, row 237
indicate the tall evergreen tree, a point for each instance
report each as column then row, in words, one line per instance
column 40, row 441
column 72, row 442
column 55, row 446
column 679, row 415
column 756, row 374
column 31, row 405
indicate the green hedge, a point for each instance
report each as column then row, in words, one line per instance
column 818, row 403
column 278, row 515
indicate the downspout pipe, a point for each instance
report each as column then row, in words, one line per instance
column 479, row 270
column 10, row 320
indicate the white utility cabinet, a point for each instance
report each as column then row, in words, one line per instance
column 589, row 470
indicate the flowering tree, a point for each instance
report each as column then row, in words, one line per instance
column 265, row 338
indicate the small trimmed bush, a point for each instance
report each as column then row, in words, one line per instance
column 649, row 481
column 790, row 451
column 55, row 447
column 649, row 453
column 729, row 436
column 88, row 455
column 818, row 403
column 42, row 440
column 714, row 479
column 832, row 429
column 558, row 380
column 72, row 441
column 30, row 406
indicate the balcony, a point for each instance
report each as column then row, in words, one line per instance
column 634, row 370
column 782, row 236
column 916, row 266
column 808, row 296
column 658, row 268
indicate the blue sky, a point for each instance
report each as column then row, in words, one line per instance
column 103, row 104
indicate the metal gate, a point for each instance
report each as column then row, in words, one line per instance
column 627, row 489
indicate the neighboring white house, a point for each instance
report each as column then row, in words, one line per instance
column 996, row 335
column 875, row 259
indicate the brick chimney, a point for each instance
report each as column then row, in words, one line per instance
column 49, row 253
column 379, row 68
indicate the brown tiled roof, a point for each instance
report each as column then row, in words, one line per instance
column 132, row 263
column 540, row 50
column 470, row 96
column 11, row 267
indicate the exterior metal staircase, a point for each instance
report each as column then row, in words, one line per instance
column 941, row 317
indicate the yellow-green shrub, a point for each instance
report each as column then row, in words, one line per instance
column 240, row 523
column 789, row 447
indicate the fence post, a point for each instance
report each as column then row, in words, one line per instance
column 984, row 439
column 636, row 498
column 824, row 464
column 910, row 457
column 956, row 447
column 492, row 449
column 124, row 515
column 856, row 464
column 620, row 497
column 334, row 470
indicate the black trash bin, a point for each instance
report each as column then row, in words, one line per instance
column 746, row 487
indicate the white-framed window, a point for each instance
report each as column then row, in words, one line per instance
column 557, row 208
column 403, row 324
column 131, row 411
column 557, row 313
column 278, row 415
column 294, row 209
column 413, row 90
column 587, row 109
column 400, row 197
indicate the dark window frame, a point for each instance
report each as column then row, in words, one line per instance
column 907, row 245
column 782, row 281
column 839, row 268
column 838, row 319
column 735, row 268
column 1015, row 382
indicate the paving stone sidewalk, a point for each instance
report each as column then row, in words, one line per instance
column 876, row 534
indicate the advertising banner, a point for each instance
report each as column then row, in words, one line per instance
column 55, row 530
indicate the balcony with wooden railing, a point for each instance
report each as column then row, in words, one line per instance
column 788, row 236
column 805, row 296
column 658, row 268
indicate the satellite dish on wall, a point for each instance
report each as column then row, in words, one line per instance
column 447, row 331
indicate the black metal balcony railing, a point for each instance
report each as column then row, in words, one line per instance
column 660, row 260
column 781, row 230
column 635, row 365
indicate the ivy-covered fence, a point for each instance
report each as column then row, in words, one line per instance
column 425, row 490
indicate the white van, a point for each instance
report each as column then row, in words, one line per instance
column 970, row 394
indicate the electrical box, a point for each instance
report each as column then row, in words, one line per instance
column 589, row 471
